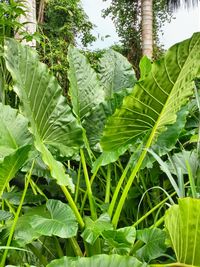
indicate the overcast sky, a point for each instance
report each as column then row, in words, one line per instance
column 186, row 23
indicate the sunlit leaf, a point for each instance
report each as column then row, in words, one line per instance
column 183, row 224
column 98, row 261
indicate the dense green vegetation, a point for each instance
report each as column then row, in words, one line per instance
column 61, row 143
column 103, row 171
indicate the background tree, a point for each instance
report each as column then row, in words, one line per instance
column 127, row 17
column 147, row 27
column 61, row 22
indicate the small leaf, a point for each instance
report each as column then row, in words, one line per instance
column 154, row 240
column 121, row 240
column 94, row 229
column 61, row 222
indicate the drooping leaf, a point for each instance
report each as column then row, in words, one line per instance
column 98, row 261
column 94, row 229
column 116, row 73
column 51, row 119
column 183, row 224
column 120, row 241
column 85, row 89
column 154, row 246
column 13, row 131
column 11, row 164
column 154, row 102
column 61, row 220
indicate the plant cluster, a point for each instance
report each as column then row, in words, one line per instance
column 93, row 178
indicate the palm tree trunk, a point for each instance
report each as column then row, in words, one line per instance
column 29, row 20
column 147, row 27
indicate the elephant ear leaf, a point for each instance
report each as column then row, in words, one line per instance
column 98, row 260
column 116, row 73
column 85, row 90
column 155, row 100
column 183, row 224
column 10, row 165
column 51, row 119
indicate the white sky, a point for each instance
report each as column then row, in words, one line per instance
column 186, row 23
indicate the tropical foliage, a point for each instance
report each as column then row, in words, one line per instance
column 92, row 178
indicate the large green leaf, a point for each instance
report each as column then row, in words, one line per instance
column 11, row 164
column 13, row 131
column 117, row 79
column 51, row 120
column 98, row 261
column 183, row 224
column 154, row 102
column 116, row 73
column 61, row 220
column 85, row 90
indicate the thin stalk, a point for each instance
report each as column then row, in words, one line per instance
column 73, row 206
column 36, row 187
column 128, row 186
column 58, row 247
column 198, row 105
column 38, row 254
column 108, row 184
column 145, row 188
column 78, row 183
column 117, row 189
column 11, row 209
column 88, row 185
column 152, row 210
column 76, row 247
column 17, row 216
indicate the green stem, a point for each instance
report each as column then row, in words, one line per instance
column 38, row 254
column 152, row 210
column 126, row 189
column 58, row 247
column 132, row 176
column 73, row 206
column 88, row 185
column 16, row 216
column 91, row 182
column 76, row 247
column 118, row 187
column 78, row 183
column 108, row 184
